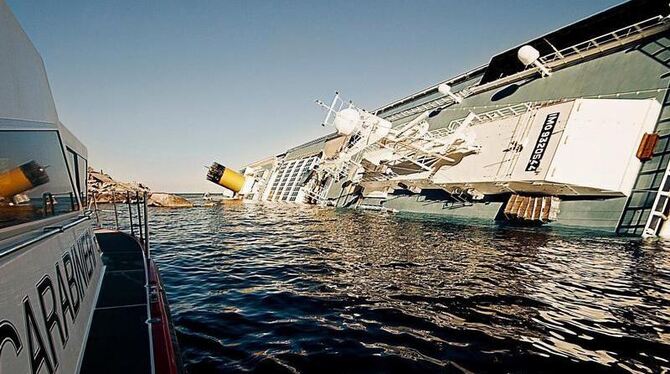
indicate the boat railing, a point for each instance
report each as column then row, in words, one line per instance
column 127, row 211
column 134, row 203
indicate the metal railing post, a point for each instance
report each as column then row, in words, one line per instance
column 116, row 213
column 139, row 214
column 130, row 213
column 146, row 227
column 95, row 204
column 73, row 202
column 48, row 204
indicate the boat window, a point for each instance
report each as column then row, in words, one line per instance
column 71, row 160
column 78, row 167
column 82, row 177
column 34, row 182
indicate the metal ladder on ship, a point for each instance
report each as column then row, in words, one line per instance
column 640, row 208
column 659, row 212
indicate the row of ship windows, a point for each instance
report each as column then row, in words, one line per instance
column 288, row 177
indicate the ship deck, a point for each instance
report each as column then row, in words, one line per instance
column 119, row 338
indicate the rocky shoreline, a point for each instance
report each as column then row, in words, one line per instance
column 102, row 189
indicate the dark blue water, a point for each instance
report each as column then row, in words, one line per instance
column 277, row 288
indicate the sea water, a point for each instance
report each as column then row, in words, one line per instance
column 285, row 288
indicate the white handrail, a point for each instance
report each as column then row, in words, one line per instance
column 576, row 52
column 597, row 42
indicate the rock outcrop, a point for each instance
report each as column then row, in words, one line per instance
column 102, row 189
column 168, row 201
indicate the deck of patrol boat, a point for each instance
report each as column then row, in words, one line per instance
column 119, row 339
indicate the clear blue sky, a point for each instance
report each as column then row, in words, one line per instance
column 157, row 89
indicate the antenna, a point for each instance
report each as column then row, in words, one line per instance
column 531, row 56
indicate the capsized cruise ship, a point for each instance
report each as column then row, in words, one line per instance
column 570, row 128
column 74, row 298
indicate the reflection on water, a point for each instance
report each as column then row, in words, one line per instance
column 286, row 288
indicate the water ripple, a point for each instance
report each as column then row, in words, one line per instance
column 301, row 289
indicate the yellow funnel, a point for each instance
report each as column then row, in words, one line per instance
column 225, row 177
column 21, row 179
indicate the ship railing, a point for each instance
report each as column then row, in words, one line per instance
column 340, row 170
column 435, row 103
column 618, row 37
column 318, row 196
column 586, row 49
column 135, row 204
column 387, row 110
column 380, row 176
column 555, row 60
column 314, row 195
column 431, row 104
column 493, row 115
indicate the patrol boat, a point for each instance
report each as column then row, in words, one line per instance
column 570, row 128
column 73, row 298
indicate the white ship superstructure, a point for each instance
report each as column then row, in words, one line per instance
column 578, row 147
column 570, row 128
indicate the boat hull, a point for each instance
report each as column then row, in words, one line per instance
column 47, row 294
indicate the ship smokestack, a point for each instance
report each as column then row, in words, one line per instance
column 226, row 177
